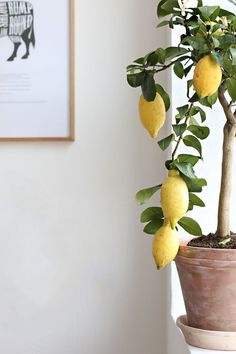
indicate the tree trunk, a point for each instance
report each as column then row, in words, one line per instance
column 223, row 228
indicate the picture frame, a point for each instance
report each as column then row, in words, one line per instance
column 37, row 93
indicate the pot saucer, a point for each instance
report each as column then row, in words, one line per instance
column 201, row 338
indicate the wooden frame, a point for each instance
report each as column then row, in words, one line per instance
column 71, row 71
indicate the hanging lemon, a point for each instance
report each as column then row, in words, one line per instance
column 152, row 114
column 207, row 77
column 174, row 197
column 165, row 245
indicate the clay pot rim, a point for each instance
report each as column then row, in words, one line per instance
column 202, row 253
column 183, row 246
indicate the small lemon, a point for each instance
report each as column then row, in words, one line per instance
column 152, row 114
column 207, row 77
column 165, row 245
column 174, row 197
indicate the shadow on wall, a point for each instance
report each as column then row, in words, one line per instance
column 175, row 339
column 176, row 343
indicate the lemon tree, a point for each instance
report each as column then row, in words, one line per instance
column 205, row 57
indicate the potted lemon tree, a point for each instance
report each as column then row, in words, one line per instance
column 206, row 58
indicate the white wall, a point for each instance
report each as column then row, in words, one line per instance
column 76, row 273
column 209, row 169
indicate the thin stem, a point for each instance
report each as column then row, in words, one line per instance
column 164, row 67
column 181, row 136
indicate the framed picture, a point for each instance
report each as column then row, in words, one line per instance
column 37, row 70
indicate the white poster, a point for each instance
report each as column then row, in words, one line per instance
column 36, row 59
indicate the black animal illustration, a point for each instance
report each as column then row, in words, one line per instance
column 17, row 22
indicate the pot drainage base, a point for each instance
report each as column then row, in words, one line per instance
column 213, row 340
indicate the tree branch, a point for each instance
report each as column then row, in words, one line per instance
column 230, row 116
column 223, row 227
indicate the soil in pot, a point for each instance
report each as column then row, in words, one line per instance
column 213, row 241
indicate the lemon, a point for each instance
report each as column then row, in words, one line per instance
column 165, row 245
column 174, row 197
column 207, row 77
column 152, row 114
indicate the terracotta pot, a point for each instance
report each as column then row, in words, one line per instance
column 208, row 281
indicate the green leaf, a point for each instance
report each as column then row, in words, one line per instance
column 183, row 110
column 226, row 13
column 145, row 194
column 165, row 7
column 190, row 206
column 164, row 143
column 199, row 132
column 149, row 87
column 161, row 53
column 164, row 96
column 199, row 110
column 168, row 164
column 210, row 100
column 132, row 67
column 205, row 102
column 173, row 52
column 179, row 129
column 226, row 41
column 187, row 70
column 136, row 80
column 188, row 159
column 193, row 121
column 195, row 184
column 152, row 59
column 209, row 12
column 228, row 66
column 179, row 69
column 153, row 226
column 189, row 85
column 162, row 24
column 186, row 169
column 140, row 61
column 233, row 55
column 213, row 98
column 194, row 98
column 231, row 87
column 160, row 11
column 152, row 213
column 195, row 200
column 215, row 55
column 193, row 142
column 191, row 226
column 196, row 42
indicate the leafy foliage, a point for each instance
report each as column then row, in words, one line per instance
column 206, row 30
column 145, row 194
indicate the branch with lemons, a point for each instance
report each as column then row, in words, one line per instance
column 206, row 57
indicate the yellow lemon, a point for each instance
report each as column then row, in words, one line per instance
column 207, row 77
column 174, row 197
column 152, row 114
column 165, row 245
